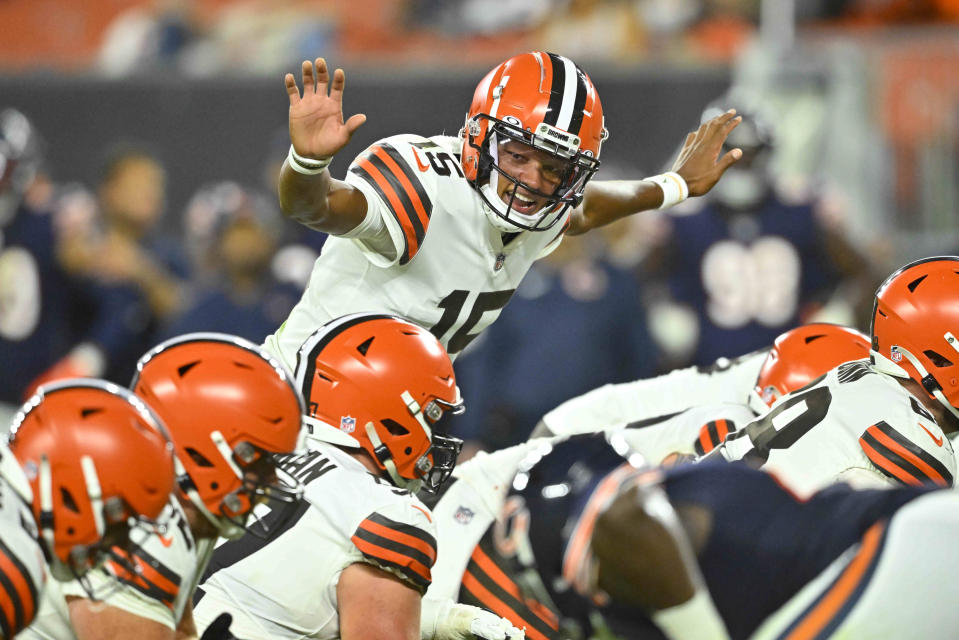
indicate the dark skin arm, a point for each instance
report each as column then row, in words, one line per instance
column 318, row 131
column 698, row 163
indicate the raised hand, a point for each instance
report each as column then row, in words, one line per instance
column 317, row 129
column 699, row 163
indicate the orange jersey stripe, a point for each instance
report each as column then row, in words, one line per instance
column 396, row 204
column 705, row 442
column 722, row 429
column 489, row 567
column 906, row 454
column 884, row 463
column 499, row 607
column 833, row 600
column 400, row 175
column 393, row 558
column 22, row 587
column 398, row 536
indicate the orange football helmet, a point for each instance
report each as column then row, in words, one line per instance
column 379, row 382
column 802, row 354
column 96, row 460
column 544, row 101
column 231, row 408
column 914, row 314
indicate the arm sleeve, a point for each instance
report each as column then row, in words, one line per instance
column 399, row 200
column 621, row 404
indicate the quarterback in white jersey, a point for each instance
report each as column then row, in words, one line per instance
column 230, row 409
column 441, row 230
column 101, row 447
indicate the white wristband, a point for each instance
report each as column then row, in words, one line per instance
column 306, row 166
column 695, row 618
column 675, row 189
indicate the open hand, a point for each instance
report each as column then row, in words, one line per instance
column 317, row 129
column 699, row 163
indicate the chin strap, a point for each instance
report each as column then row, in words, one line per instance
column 929, row 383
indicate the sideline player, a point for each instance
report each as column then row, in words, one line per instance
column 441, row 230
column 231, row 408
column 352, row 559
column 88, row 466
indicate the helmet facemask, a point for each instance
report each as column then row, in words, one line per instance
column 573, row 169
column 261, row 479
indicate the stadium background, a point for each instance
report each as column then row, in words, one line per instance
column 865, row 94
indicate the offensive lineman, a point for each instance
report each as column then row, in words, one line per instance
column 88, row 466
column 231, row 409
column 352, row 559
column 441, row 230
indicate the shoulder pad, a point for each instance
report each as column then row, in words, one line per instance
column 914, row 453
column 400, row 547
column 402, row 171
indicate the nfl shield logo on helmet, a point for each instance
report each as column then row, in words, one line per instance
column 348, row 424
column 895, row 355
column 463, row 515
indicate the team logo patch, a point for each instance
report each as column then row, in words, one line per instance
column 464, row 515
column 348, row 424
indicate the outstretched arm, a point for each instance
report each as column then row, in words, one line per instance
column 698, row 164
column 307, row 193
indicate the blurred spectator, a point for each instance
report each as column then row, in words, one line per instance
column 49, row 322
column 140, row 273
column 751, row 259
column 576, row 322
column 594, row 29
column 233, row 234
column 147, row 36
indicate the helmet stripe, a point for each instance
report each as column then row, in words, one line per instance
column 567, row 95
column 576, row 121
column 314, row 345
column 555, row 104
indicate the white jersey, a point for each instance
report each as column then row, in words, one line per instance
column 856, row 425
column 169, row 562
column 284, row 586
column 628, row 403
column 22, row 566
column 451, row 274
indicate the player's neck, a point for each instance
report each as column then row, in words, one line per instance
column 944, row 418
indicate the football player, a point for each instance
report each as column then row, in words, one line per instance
column 885, row 417
column 441, row 230
column 87, row 468
column 658, row 414
column 353, row 559
column 231, row 409
column 723, row 551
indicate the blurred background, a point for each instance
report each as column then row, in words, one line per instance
column 140, row 140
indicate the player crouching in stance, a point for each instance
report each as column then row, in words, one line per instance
column 231, row 409
column 724, row 551
column 88, row 465
column 354, row 557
